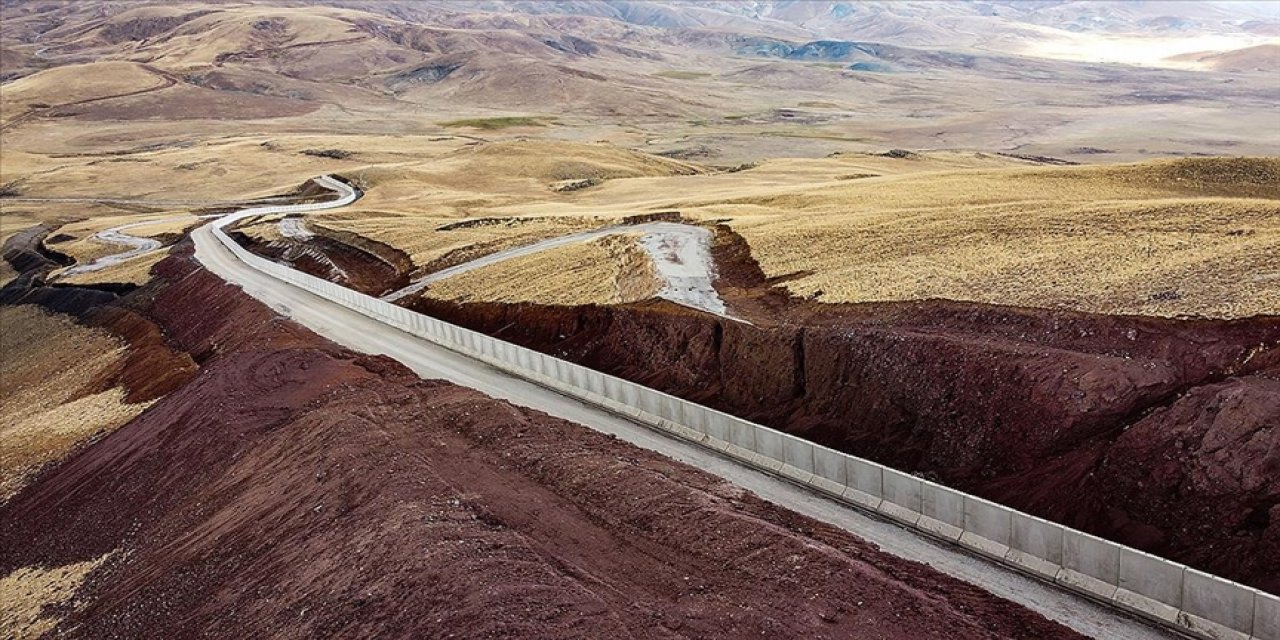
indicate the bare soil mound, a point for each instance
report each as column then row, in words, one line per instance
column 333, row 260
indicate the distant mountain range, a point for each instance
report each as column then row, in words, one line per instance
column 957, row 23
column 993, row 70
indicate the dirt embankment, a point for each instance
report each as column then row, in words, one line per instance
column 345, row 262
column 151, row 367
column 1156, row 433
column 296, row 489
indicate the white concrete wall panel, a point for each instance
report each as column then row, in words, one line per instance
column 742, row 433
column 697, row 417
column 986, row 526
column 1090, row 563
column 630, row 393
column 649, row 401
column 670, row 408
column 1149, row 584
column 1213, row 606
column 941, row 511
column 1266, row 616
column 613, row 388
column 901, row 495
column 717, row 425
column 595, row 382
column 769, row 444
column 797, row 453
column 1035, row 544
column 865, row 480
column 829, row 464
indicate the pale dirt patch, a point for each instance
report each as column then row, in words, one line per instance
column 27, row 591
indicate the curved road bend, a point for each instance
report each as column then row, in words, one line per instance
column 141, row 244
column 116, row 235
column 681, row 255
column 364, row 334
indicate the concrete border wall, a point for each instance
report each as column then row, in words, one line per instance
column 1166, row 592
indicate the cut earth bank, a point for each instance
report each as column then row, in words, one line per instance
column 291, row 488
column 1157, row 433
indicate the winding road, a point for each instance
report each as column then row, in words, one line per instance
column 362, row 333
column 116, row 235
column 681, row 255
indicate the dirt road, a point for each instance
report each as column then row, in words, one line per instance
column 681, row 255
column 116, row 235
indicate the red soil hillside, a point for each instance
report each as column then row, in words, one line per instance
column 1155, row 433
column 295, row 489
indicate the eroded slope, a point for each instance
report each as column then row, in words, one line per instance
column 308, row 490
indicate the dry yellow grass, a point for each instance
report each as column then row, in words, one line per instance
column 75, row 83
column 693, row 194
column 48, row 362
column 222, row 169
column 917, row 191
column 27, row 592
column 959, row 225
column 1153, row 238
column 47, row 436
column 134, row 271
column 198, row 42
column 608, row 270
column 265, row 230
column 1211, row 257
column 420, row 238
column 14, row 219
column 473, row 179
column 1171, row 238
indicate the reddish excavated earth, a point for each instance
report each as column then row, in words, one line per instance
column 1160, row 434
column 296, row 489
column 335, row 260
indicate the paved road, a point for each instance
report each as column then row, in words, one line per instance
column 361, row 333
column 681, row 255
